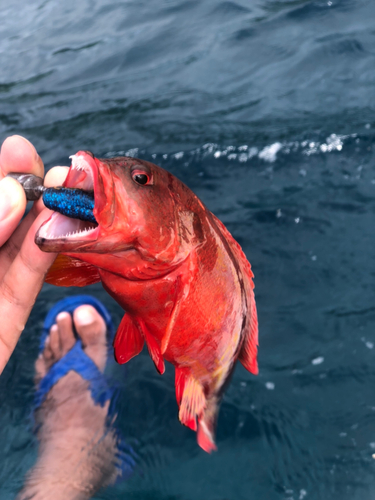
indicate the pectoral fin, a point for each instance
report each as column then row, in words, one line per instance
column 129, row 340
column 182, row 291
column 67, row 271
column 153, row 348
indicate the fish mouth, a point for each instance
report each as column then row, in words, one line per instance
column 61, row 233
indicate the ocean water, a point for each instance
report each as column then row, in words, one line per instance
column 265, row 109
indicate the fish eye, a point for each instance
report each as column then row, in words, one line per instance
column 141, row 178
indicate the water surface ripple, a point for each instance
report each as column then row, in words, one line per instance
column 266, row 110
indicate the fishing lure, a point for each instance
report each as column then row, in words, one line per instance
column 72, row 202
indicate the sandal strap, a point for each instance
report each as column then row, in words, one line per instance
column 75, row 360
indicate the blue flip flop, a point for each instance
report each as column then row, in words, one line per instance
column 77, row 360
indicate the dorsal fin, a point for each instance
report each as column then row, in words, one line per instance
column 68, row 271
column 129, row 340
column 249, row 350
column 236, row 248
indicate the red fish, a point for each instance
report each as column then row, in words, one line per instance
column 182, row 279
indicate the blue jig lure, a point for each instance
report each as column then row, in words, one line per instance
column 72, row 202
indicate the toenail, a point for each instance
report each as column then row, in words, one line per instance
column 62, row 315
column 84, row 315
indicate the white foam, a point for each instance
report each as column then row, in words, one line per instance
column 269, row 153
column 317, row 361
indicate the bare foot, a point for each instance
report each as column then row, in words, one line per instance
column 77, row 449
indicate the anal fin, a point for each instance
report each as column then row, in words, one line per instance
column 128, row 341
column 67, row 271
column 193, row 403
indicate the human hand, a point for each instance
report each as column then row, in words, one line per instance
column 22, row 265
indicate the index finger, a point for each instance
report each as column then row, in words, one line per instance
column 19, row 155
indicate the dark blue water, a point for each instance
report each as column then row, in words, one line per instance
column 266, row 110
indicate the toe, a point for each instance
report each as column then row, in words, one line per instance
column 40, row 368
column 47, row 353
column 90, row 325
column 65, row 326
column 91, row 328
column 45, row 358
column 54, row 342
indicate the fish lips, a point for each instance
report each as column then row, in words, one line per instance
column 62, row 234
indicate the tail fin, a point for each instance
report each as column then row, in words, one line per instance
column 207, row 426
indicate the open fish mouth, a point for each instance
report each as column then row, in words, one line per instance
column 62, row 232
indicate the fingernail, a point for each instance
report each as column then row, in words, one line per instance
column 37, row 158
column 7, row 197
column 14, row 150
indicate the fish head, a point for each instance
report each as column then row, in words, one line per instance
column 139, row 207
